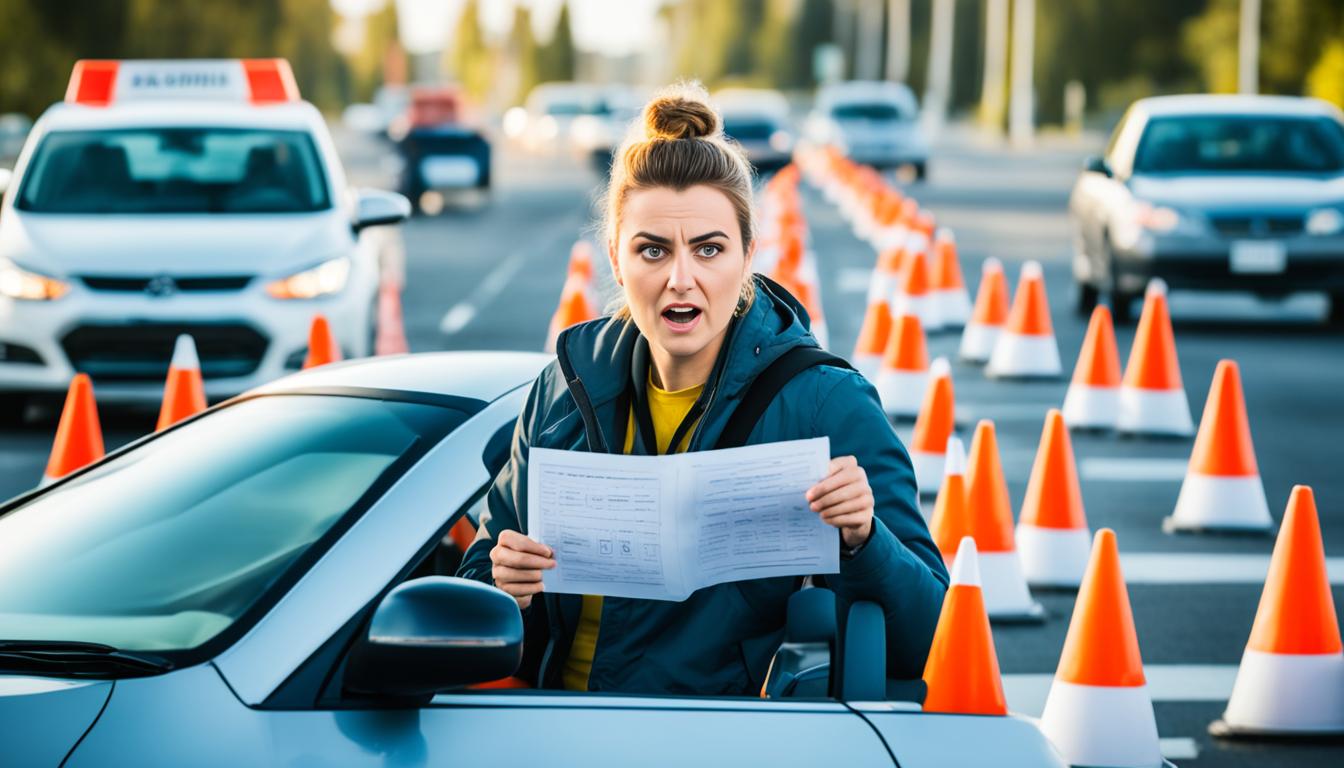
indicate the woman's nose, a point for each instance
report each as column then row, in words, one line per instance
column 682, row 278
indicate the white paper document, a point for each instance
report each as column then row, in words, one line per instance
column 661, row 527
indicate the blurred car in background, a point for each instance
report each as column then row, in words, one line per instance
column 560, row 117
column 871, row 122
column 14, row 128
column 758, row 120
column 1242, row 193
column 442, row 147
column 279, row 599
column 169, row 197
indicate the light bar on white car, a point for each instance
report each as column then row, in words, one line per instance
column 102, row 83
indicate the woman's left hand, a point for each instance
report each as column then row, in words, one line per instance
column 845, row 500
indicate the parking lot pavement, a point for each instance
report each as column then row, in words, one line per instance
column 488, row 275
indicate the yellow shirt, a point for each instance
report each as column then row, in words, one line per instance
column 666, row 409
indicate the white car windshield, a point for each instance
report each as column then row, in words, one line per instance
column 1241, row 144
column 175, row 170
column 166, row 545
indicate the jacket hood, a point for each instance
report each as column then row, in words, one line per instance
column 600, row 351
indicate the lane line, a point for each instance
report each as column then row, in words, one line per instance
column 1207, row 568
column 1133, row 470
column 465, row 311
column 1026, row 693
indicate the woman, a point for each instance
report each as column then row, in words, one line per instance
column 664, row 374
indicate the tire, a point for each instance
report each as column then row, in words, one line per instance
column 13, row 409
column 1336, row 316
column 1086, row 299
column 1122, row 306
column 921, row 172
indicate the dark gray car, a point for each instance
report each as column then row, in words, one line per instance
column 1240, row 193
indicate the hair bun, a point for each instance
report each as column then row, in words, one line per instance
column 681, row 112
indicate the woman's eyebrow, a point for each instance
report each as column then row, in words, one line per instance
column 706, row 236
column 655, row 238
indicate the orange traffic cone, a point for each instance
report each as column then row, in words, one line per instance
column 1291, row 679
column 991, row 514
column 936, row 420
column 1026, row 346
column 574, row 309
column 989, row 314
column 949, row 290
column 184, row 391
column 951, row 518
column 322, row 346
column 873, row 336
column 391, row 337
column 1093, row 399
column 1222, row 488
column 962, row 671
column 1152, row 398
column 1099, row 711
column 913, row 296
column 79, row 437
column 1052, row 531
column 905, row 369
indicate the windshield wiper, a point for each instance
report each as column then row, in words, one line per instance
column 81, row 659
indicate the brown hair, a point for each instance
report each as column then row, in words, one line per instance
column 678, row 142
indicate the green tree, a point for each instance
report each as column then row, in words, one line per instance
column 555, row 59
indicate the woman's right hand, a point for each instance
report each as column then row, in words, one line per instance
column 517, row 563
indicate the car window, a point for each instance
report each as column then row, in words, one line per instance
column 748, row 129
column 1240, row 144
column 175, row 170
column 866, row 111
column 166, row 545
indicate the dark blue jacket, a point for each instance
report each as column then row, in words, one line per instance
column 720, row 639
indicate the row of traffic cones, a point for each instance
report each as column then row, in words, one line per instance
column 79, row 435
column 1099, row 710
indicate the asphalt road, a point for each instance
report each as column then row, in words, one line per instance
column 487, row 274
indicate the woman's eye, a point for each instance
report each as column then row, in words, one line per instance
column 652, row 252
column 710, row 250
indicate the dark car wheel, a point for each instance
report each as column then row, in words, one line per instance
column 1086, row 299
column 1122, row 306
column 13, row 408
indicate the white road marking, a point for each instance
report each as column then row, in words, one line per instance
column 464, row 312
column 1026, row 693
column 1207, row 568
column 853, row 280
column 1131, row 470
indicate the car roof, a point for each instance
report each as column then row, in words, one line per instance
column 1234, row 104
column 477, row 375
column 289, row 116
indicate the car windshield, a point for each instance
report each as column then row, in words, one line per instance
column 175, row 170
column 166, row 545
column 866, row 111
column 748, row 129
column 1241, row 144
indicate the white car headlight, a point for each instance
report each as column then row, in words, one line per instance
column 326, row 278
column 1325, row 221
column 17, row 283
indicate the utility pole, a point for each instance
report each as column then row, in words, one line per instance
column 936, row 92
column 868, row 58
column 996, row 65
column 1021, row 117
column 898, row 40
column 842, row 22
column 1248, row 48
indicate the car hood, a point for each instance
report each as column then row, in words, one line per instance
column 879, row 131
column 1214, row 192
column 926, row 739
column 51, row 714
column 62, row 245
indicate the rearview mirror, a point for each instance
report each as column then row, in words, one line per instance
column 435, row 633
column 1098, row 164
column 375, row 207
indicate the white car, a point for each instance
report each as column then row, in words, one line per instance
column 169, row 197
column 260, row 585
column 872, row 122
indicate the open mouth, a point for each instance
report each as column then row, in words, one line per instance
column 681, row 317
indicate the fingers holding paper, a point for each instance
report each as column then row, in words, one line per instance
column 844, row 500
column 517, row 563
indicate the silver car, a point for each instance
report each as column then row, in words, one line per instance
column 1240, row 193
column 872, row 122
column 261, row 585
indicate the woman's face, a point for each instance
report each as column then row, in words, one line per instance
column 680, row 258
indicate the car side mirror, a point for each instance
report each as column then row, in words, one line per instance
column 436, row 633
column 376, row 207
column 1098, row 164
column 5, row 176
